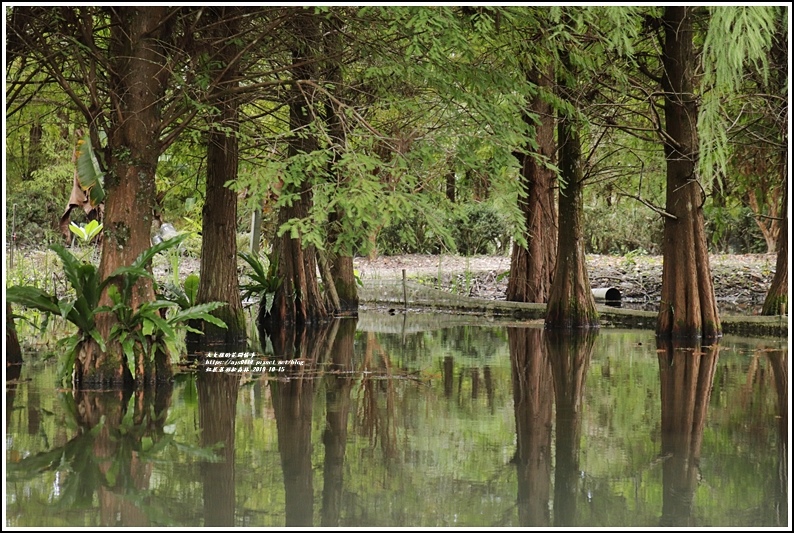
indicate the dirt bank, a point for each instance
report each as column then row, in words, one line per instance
column 740, row 281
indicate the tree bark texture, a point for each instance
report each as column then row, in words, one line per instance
column 298, row 299
column 532, row 268
column 138, row 80
column 218, row 280
column 688, row 307
column 13, row 352
column 776, row 301
column 346, row 286
column 341, row 259
column 571, row 303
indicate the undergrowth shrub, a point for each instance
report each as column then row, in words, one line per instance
column 615, row 230
column 478, row 228
column 732, row 229
column 416, row 232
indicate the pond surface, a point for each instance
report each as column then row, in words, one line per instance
column 409, row 421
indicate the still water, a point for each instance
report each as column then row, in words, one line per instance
column 395, row 421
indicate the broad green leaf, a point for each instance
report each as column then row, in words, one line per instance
column 201, row 311
column 79, row 231
column 94, row 333
column 191, row 288
column 87, row 172
column 66, row 307
column 33, row 297
column 114, row 295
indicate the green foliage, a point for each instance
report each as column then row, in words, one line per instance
column 134, row 329
column 264, row 281
column 480, row 229
column 737, row 41
column 86, row 233
column 33, row 212
column 618, row 229
column 183, row 295
column 417, row 231
column 732, row 229
column 422, row 93
column 88, row 173
column 630, row 257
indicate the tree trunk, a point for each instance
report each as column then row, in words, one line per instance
column 532, row 268
column 298, row 299
column 13, row 350
column 218, row 281
column 346, row 286
column 776, row 302
column 688, row 307
column 341, row 263
column 571, row 303
column 137, row 87
column 449, row 186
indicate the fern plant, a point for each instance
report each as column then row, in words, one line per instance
column 183, row 295
column 264, row 282
column 148, row 327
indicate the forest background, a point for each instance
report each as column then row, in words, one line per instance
column 317, row 134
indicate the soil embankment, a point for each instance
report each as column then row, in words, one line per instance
column 477, row 285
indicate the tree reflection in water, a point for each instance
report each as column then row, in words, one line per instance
column 686, row 372
column 293, row 402
column 376, row 418
column 109, row 460
column 338, row 384
column 533, row 397
column 548, row 366
column 778, row 359
column 217, row 400
column 402, row 441
column 569, row 354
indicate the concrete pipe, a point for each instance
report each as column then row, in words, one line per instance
column 606, row 295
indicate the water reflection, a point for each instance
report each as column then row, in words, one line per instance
column 217, row 405
column 293, row 403
column 548, row 366
column 569, row 353
column 338, row 385
column 778, row 360
column 13, row 371
column 108, row 459
column 686, row 373
column 533, row 398
column 465, row 426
